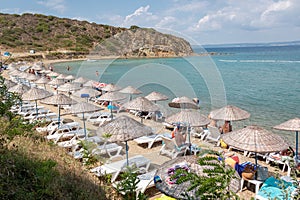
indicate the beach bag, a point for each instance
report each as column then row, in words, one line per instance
column 262, row 173
column 223, row 144
column 249, row 172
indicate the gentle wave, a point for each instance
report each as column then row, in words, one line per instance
column 262, row 61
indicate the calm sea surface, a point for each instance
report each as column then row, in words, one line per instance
column 262, row 80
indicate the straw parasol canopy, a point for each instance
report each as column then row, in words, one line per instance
column 35, row 94
column 183, row 102
column 53, row 74
column 111, row 88
column 141, row 104
column 123, row 129
column 189, row 117
column 58, row 99
column 31, row 77
column 87, row 90
column 70, row 77
column 89, row 83
column 83, row 107
column 8, row 83
column 37, row 67
column 19, row 89
column 61, row 77
column 156, row 96
column 255, row 139
column 44, row 80
column 291, row 125
column 69, row 87
column 80, row 80
column 55, row 82
column 176, row 190
column 112, row 96
column 130, row 90
column 229, row 113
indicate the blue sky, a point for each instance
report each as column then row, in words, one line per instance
column 199, row 21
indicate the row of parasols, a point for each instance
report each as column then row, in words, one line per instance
column 251, row 138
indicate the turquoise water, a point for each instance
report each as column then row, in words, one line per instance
column 261, row 80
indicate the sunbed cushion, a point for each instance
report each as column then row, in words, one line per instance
column 273, row 187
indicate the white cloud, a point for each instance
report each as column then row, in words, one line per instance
column 57, row 5
column 139, row 13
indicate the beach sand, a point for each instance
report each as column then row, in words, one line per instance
column 152, row 154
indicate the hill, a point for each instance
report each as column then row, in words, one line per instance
column 55, row 36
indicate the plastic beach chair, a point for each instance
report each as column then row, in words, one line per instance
column 115, row 168
column 151, row 139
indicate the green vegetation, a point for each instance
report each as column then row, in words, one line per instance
column 215, row 180
column 33, row 169
column 20, row 33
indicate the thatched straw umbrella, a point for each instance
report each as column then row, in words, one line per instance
column 177, row 190
column 184, row 103
column 189, row 117
column 89, row 83
column 8, row 83
column 255, row 139
column 123, row 129
column 35, row 94
column 141, row 104
column 130, row 90
column 83, row 107
column 44, row 80
column 229, row 113
column 80, row 80
column 112, row 96
column 70, row 78
column 111, row 88
column 156, row 96
column 87, row 91
column 69, row 87
column 58, row 99
column 291, row 125
column 19, row 89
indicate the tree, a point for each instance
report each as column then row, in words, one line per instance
column 214, row 182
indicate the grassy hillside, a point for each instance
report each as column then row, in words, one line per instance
column 48, row 33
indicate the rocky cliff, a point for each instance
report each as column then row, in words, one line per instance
column 143, row 42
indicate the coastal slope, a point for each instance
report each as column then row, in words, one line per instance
column 51, row 37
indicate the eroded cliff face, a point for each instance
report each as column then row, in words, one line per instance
column 142, row 42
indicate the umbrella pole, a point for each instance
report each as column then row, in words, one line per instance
column 84, row 128
column 111, row 114
column 189, row 135
column 256, row 165
column 58, row 115
column 126, row 146
column 36, row 108
column 297, row 145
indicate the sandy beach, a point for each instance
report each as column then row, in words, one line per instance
column 152, row 154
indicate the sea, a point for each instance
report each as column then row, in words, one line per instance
column 263, row 80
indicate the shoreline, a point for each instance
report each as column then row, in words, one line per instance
column 136, row 150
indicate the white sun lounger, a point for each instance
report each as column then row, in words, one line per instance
column 116, row 168
column 146, row 181
column 151, row 139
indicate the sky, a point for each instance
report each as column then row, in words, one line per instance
column 200, row 22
